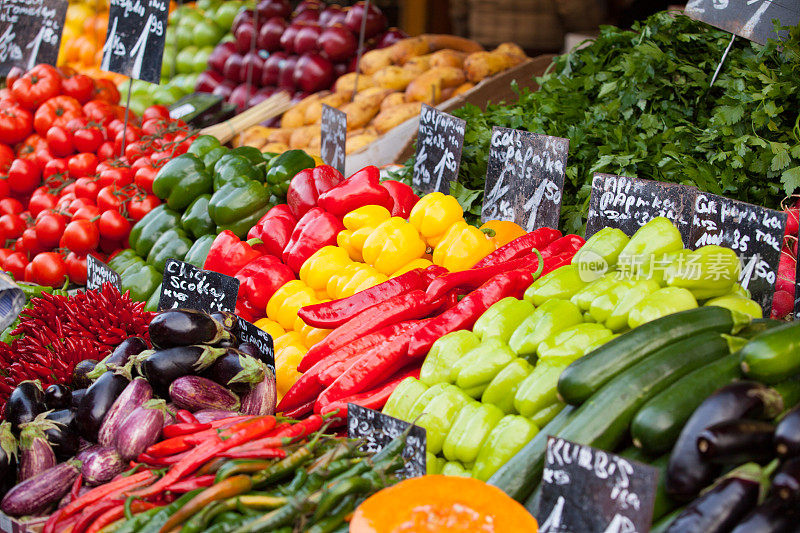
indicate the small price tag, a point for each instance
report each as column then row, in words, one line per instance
column 751, row 19
column 439, row 143
column 134, row 43
column 525, row 178
column 378, row 430
column 755, row 233
column 334, row 137
column 187, row 287
column 247, row 332
column 592, row 491
column 630, row 203
column 98, row 273
column 12, row 300
column 30, row 32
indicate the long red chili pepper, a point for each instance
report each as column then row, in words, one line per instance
column 520, row 246
column 92, row 512
column 372, row 399
column 188, row 485
column 300, row 411
column 109, row 490
column 267, row 453
column 176, row 430
column 76, row 488
column 185, row 417
column 117, row 513
column 168, row 447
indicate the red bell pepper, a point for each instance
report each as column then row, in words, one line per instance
column 375, row 398
column 307, row 185
column 316, row 229
column 259, row 280
column 360, row 189
column 403, row 197
column 520, row 246
column 274, row 229
column 229, row 254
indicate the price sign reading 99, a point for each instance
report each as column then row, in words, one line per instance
column 135, row 38
column 30, row 32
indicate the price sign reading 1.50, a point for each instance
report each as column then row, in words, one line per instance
column 135, row 39
column 30, row 32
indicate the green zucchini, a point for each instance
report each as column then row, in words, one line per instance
column 790, row 392
column 656, row 426
column 758, row 326
column 588, row 374
column 774, row 355
column 663, row 524
column 663, row 504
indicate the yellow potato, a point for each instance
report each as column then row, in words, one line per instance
column 401, row 51
column 357, row 142
column 293, row 118
column 373, row 95
column 481, row 65
column 280, row 136
column 313, row 114
column 512, row 50
column 392, row 100
column 251, row 136
column 394, row 116
column 429, row 85
column 314, row 144
column 447, row 58
column 359, row 113
column 275, row 148
column 418, row 64
column 464, row 87
column 302, row 137
column 393, row 77
column 374, row 60
column 346, row 83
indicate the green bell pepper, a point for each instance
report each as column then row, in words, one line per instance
column 544, row 416
column 268, row 157
column 141, row 282
column 403, row 397
column 740, row 304
column 236, row 169
column 196, row 220
column 503, row 387
column 480, row 365
column 239, row 207
column 438, row 364
column 145, row 232
column 549, row 318
column 433, row 464
column 253, row 155
column 173, row 244
column 659, row 236
column 215, row 154
column 501, row 319
column 617, row 320
column 508, row 437
column 437, row 415
column 572, row 342
column 456, row 469
column 660, row 303
column 199, row 251
column 122, row 260
column 708, row 272
column 181, row 180
column 282, row 169
column 202, row 145
column 738, row 290
column 132, row 266
column 561, row 283
column 602, row 306
column 152, row 302
column 470, row 430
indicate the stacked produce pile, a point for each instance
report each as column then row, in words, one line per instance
column 83, row 37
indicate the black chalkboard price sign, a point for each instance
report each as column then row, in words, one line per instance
column 755, row 233
column 378, row 430
column 630, row 203
column 98, row 273
column 334, row 135
column 247, row 332
column 134, row 43
column 592, row 491
column 187, row 287
column 439, row 143
column 525, row 178
column 751, row 19
column 30, row 32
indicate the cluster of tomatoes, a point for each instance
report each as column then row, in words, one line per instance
column 75, row 172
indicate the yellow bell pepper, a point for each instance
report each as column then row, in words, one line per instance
column 433, row 215
column 284, row 304
column 367, row 277
column 411, row 265
column 392, row 245
column 360, row 223
column 274, row 329
column 462, row 246
column 325, row 262
column 286, row 361
column 309, row 334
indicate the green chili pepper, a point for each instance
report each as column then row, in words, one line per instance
column 660, row 303
column 438, row 364
column 561, row 283
column 403, row 397
column 552, row 316
column 480, row 365
column 160, row 518
column 438, row 415
column 617, row 320
column 454, row 468
column 508, row 437
column 470, row 430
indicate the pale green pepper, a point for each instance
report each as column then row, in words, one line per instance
column 438, row 364
column 501, row 319
column 481, row 364
column 470, row 430
column 403, row 397
column 503, row 387
column 659, row 236
column 737, row 289
column 415, row 408
column 454, row 468
column 561, row 283
column 507, row 438
column 433, row 464
column 542, row 417
column 618, row 318
column 600, row 252
column 601, row 307
column 540, row 388
column 663, row 302
column 551, row 317
column 708, row 272
column 572, row 342
column 584, row 297
column 438, row 415
column 737, row 303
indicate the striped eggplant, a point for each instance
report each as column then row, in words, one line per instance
column 36, row 454
column 35, row 495
column 262, row 398
column 135, row 394
column 194, row 393
column 140, row 429
column 102, row 465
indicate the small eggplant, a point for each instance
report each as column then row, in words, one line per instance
column 9, row 451
column 24, row 404
column 102, row 465
column 123, row 352
column 227, row 319
column 140, row 429
column 249, row 348
column 79, row 373
column 86, row 452
column 97, row 401
column 185, row 327
column 204, row 416
column 787, row 434
column 235, row 370
column 163, row 367
column 194, row 393
column 35, row 495
column 687, row 473
column 77, row 396
column 262, row 398
column 736, row 442
column 36, row 455
column 720, row 508
column 772, row 516
column 57, row 397
column 135, row 394
column 786, row 483
column 63, row 437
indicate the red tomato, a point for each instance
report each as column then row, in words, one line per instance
column 115, row 127
column 13, row 75
column 144, row 177
column 23, row 176
column 78, row 86
column 87, row 188
column 12, row 225
column 77, row 123
column 56, row 111
column 11, row 206
column 15, row 265
column 159, row 112
column 55, row 167
column 77, row 204
column 31, row 243
column 5, row 190
column 32, row 144
column 87, row 212
column 16, row 123
column 81, row 236
column 37, row 86
column 132, row 134
column 66, row 198
column 119, row 176
column 42, row 157
column 48, row 268
column 88, row 139
column 106, row 90
column 59, row 141
column 135, row 150
column 28, row 278
column 4, row 253
column 160, row 158
column 99, row 111
column 49, row 228
column 106, row 151
column 81, row 165
column 140, row 205
column 6, row 157
column 111, row 197
column 113, row 225
column 42, row 202
column 152, row 127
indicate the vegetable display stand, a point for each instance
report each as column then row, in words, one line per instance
column 269, row 108
column 10, row 524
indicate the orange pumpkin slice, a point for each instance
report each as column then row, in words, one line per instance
column 443, row 504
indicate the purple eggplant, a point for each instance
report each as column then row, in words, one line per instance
column 9, row 451
column 35, row 495
column 735, row 442
column 236, row 370
column 125, row 350
column 77, row 397
column 140, row 429
column 787, row 434
column 772, row 516
column 185, row 327
column 195, row 393
column 163, row 367
column 84, row 453
column 57, row 397
column 204, row 416
column 135, row 394
column 97, row 401
column 786, row 483
column 102, row 465
column 24, row 404
column 80, row 379
column 227, row 319
column 262, row 398
column 62, row 438
column 36, row 455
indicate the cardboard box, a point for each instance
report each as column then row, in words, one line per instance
column 397, row 145
column 14, row 525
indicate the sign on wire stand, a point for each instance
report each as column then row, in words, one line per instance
column 592, row 491
column 378, row 430
column 134, row 43
column 334, row 137
column 439, row 144
column 525, row 178
column 187, row 287
column 30, row 32
column 247, row 332
column 98, row 273
column 751, row 19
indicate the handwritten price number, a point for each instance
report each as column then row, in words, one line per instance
column 448, row 161
column 8, row 48
column 46, row 35
column 115, row 46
